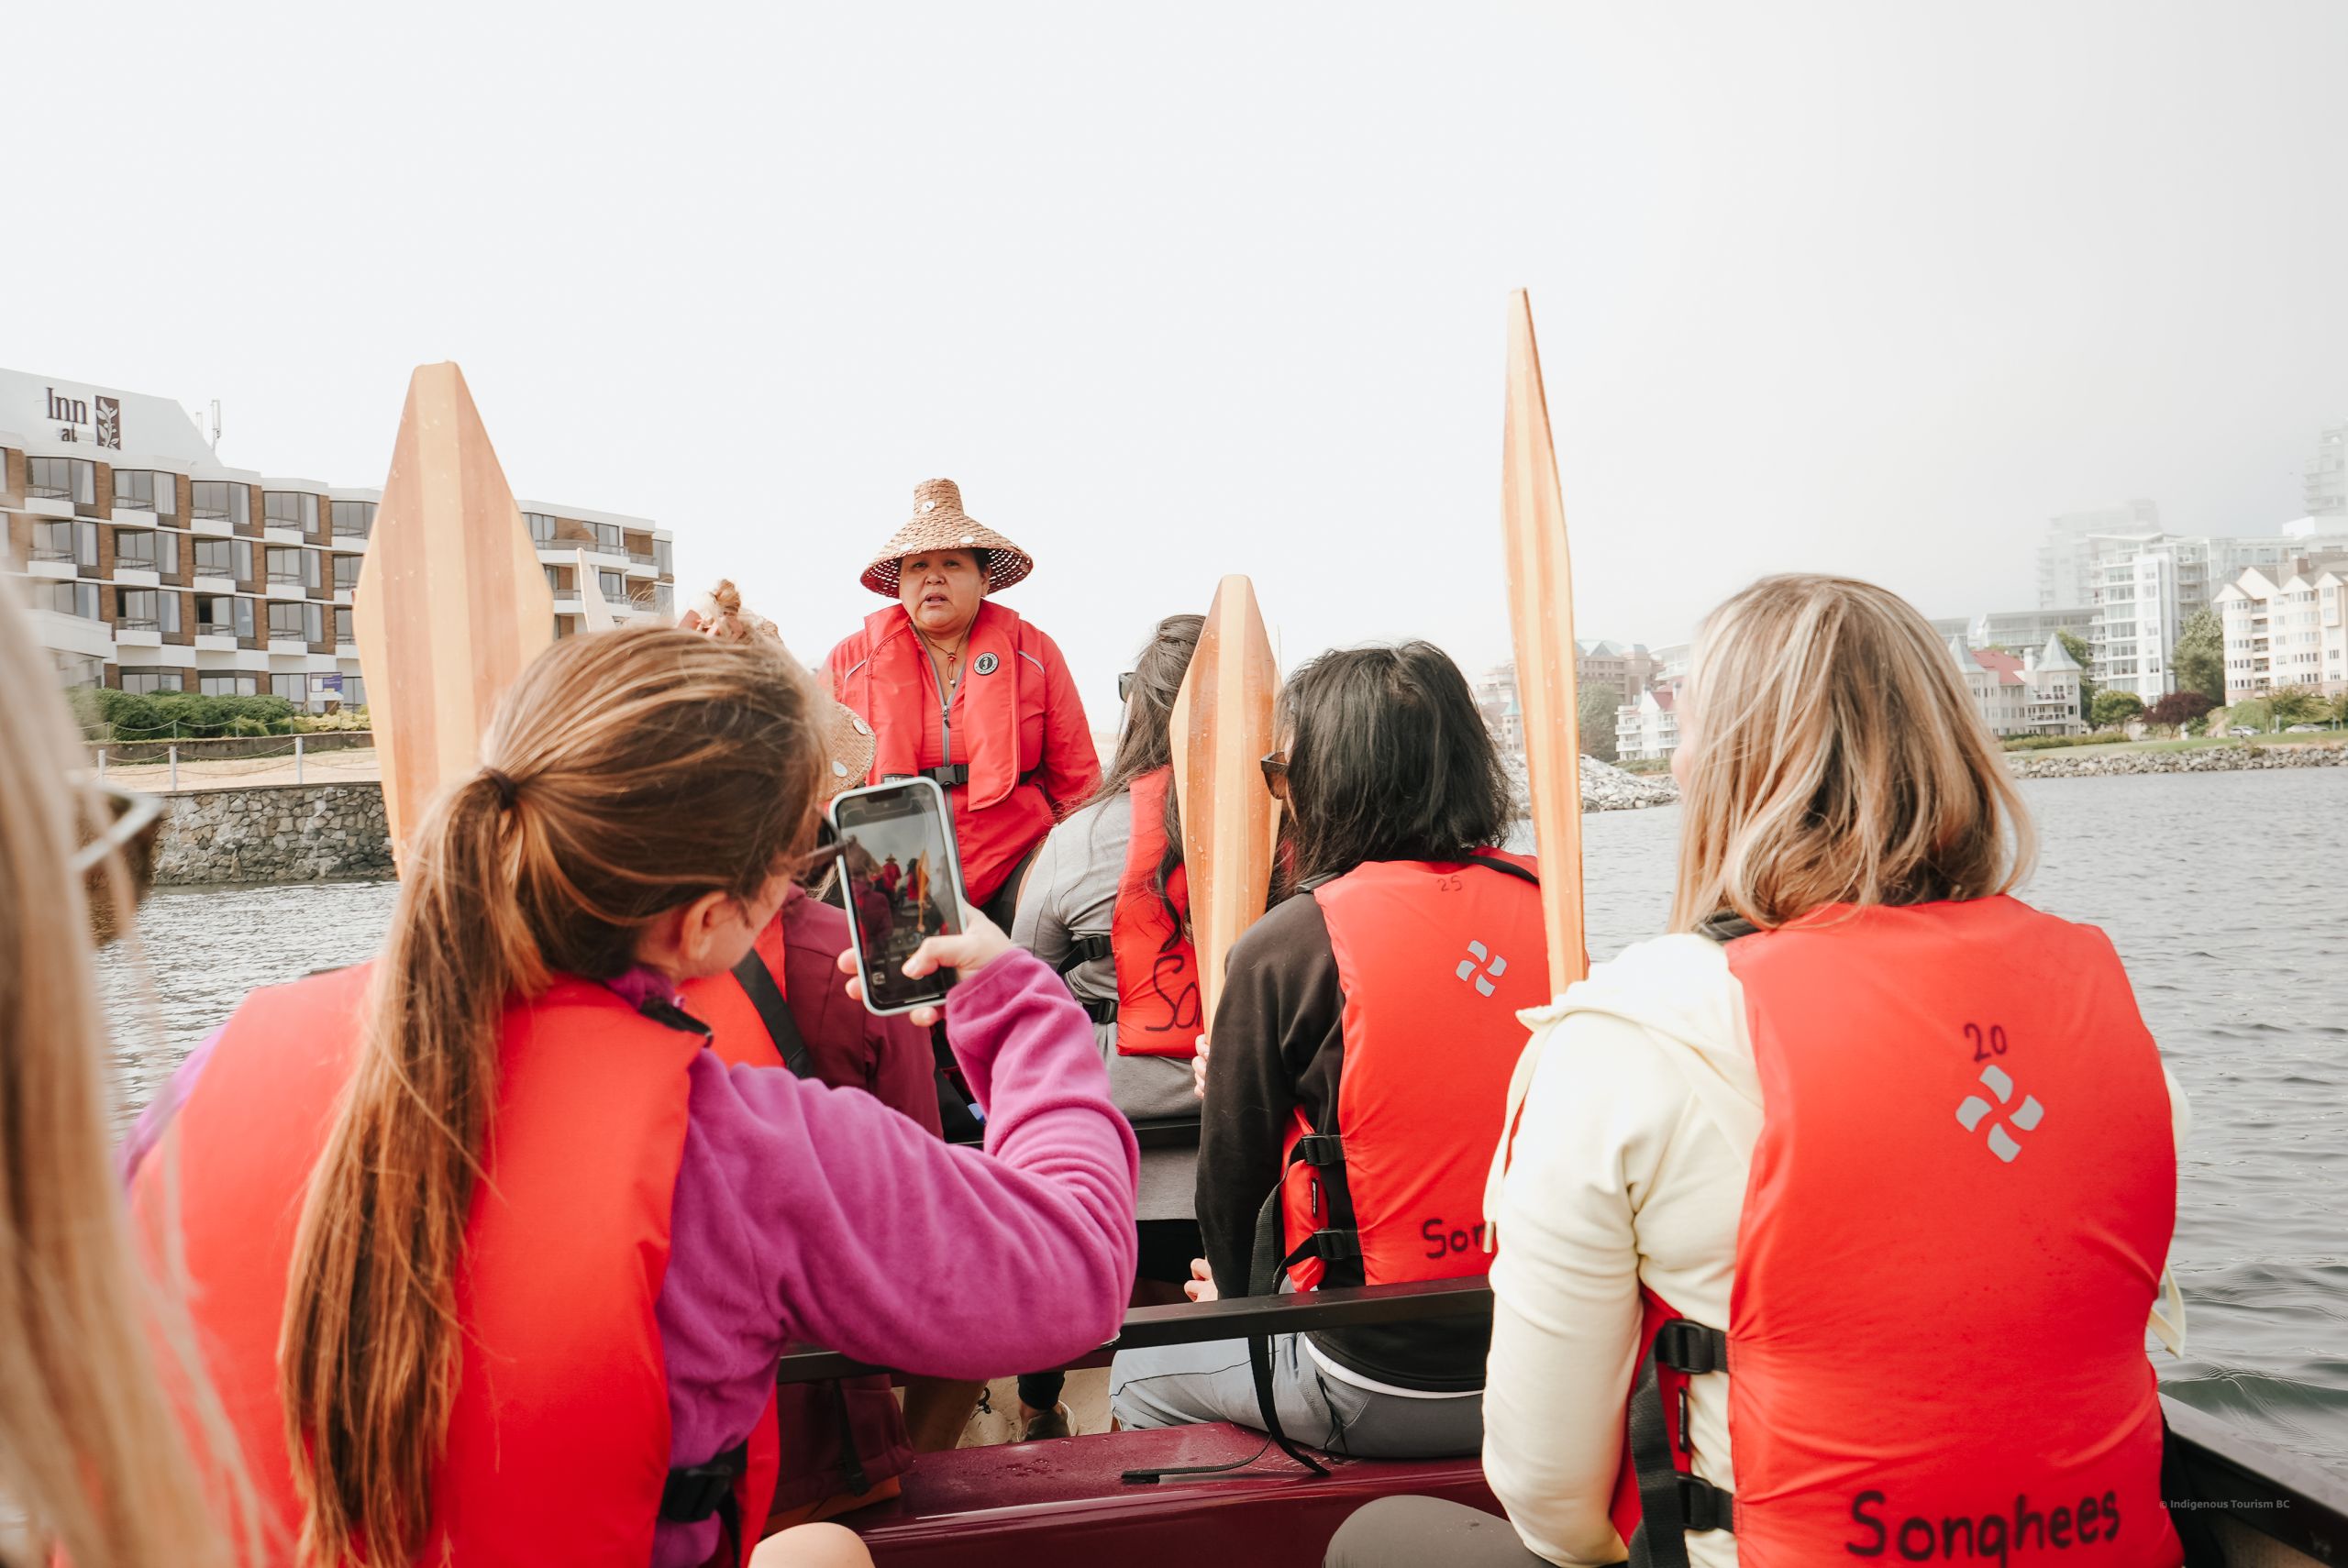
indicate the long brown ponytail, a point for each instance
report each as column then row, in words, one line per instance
column 623, row 775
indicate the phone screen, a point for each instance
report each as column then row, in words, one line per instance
column 901, row 883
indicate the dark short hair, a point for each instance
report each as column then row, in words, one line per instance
column 1388, row 759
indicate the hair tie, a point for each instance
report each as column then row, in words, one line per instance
column 503, row 785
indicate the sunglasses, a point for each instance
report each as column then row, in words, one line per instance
column 1275, row 766
column 1125, row 687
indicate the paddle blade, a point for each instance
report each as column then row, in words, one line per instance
column 1541, row 616
column 595, row 610
column 451, row 602
column 1221, row 729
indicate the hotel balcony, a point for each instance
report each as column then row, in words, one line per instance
column 136, row 518
column 210, row 641
column 216, row 527
column 138, row 635
column 285, row 585
column 46, row 503
column 136, row 576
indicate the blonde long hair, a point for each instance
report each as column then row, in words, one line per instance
column 91, row 1450
column 1834, row 756
column 626, row 773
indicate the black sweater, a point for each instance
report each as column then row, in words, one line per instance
column 1276, row 1043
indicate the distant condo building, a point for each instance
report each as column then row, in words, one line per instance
column 2035, row 693
column 1647, row 730
column 1625, row 670
column 2288, row 628
column 2067, row 560
column 2327, row 478
column 2030, row 628
column 2148, row 587
column 152, row 567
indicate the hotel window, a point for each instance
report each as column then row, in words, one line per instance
column 285, row 566
column 552, row 585
column 353, row 519
column 354, row 692
column 541, row 526
column 79, row 599
column 663, row 560
column 613, row 584
column 86, row 544
column 146, row 490
column 346, row 571
column 314, row 624
column 212, row 559
column 343, row 630
column 139, row 613
column 607, row 539
column 229, row 685
column 224, row 500
column 294, row 689
column 167, row 552
column 242, row 550
column 285, row 620
column 134, row 547
column 145, row 682
column 62, row 479
column 290, row 508
column 53, row 541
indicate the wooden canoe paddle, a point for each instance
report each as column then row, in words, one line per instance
column 1541, row 614
column 451, row 602
column 1221, row 730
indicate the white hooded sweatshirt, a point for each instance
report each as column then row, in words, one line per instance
column 1641, row 1108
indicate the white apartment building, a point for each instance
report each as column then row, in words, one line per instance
column 152, row 566
column 2148, row 587
column 2073, row 549
column 2034, row 694
column 2327, row 475
column 1648, row 729
column 2030, row 628
column 2285, row 629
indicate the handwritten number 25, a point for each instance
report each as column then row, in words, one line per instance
column 1985, row 1046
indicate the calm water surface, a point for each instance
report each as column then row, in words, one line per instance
column 2220, row 888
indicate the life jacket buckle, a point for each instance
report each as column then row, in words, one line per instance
column 693, row 1492
column 1319, row 1150
column 1704, row 1506
column 949, row 775
column 1687, row 1346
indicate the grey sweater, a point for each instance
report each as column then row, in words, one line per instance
column 1071, row 891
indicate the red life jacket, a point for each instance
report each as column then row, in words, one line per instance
column 1434, row 960
column 739, row 1029
column 1960, row 1202
column 1157, row 969
column 558, row 1443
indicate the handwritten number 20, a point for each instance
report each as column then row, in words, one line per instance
column 1985, row 1046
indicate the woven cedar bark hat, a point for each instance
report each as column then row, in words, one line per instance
column 848, row 742
column 939, row 523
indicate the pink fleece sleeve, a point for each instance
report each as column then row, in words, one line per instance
column 884, row 1243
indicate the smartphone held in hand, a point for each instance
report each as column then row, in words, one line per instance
column 903, row 885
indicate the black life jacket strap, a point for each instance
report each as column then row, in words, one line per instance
column 1084, row 950
column 1506, row 867
column 694, row 1492
column 1671, row 1501
column 947, row 776
column 758, row 983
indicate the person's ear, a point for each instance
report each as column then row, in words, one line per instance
column 703, row 926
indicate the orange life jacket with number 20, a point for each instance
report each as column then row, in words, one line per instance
column 1960, row 1202
column 558, row 1443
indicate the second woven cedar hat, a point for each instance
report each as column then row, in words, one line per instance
column 939, row 523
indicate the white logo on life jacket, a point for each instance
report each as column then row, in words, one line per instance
column 1490, row 964
column 2024, row 1116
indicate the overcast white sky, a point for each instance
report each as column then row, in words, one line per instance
column 1179, row 290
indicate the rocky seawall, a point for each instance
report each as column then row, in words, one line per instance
column 2213, row 759
column 1604, row 788
column 283, row 832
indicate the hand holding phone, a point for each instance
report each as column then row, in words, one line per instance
column 965, row 953
column 902, row 887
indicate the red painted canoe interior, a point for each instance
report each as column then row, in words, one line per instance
column 1062, row 1504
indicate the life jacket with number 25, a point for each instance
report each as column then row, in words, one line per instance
column 1959, row 1206
column 558, row 1441
column 1434, row 959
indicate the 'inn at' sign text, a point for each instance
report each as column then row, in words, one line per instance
column 73, row 414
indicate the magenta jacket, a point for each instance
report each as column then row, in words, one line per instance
column 803, row 1212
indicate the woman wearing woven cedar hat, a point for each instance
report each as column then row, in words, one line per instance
column 960, row 689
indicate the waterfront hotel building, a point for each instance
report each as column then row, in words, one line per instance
column 152, row 567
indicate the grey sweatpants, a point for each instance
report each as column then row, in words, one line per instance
column 1176, row 1385
column 1405, row 1532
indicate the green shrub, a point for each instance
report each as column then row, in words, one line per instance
column 2051, row 742
column 188, row 715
